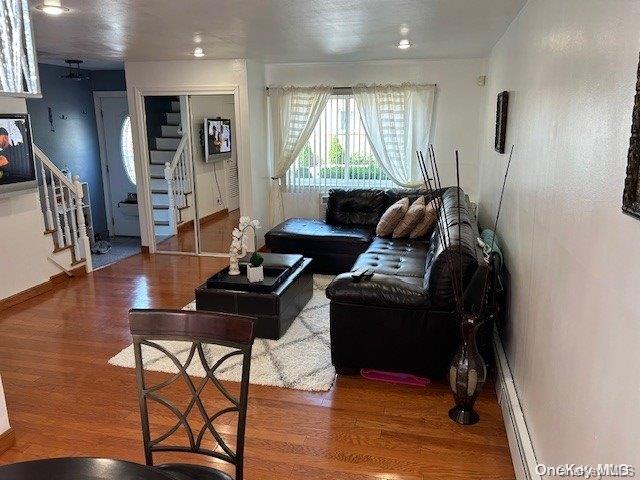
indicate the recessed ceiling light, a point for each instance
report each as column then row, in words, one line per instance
column 404, row 29
column 198, row 52
column 404, row 44
column 52, row 7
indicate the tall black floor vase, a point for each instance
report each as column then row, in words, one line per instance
column 467, row 373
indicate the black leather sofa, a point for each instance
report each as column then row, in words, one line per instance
column 402, row 318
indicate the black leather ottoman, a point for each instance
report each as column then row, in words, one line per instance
column 274, row 311
column 333, row 248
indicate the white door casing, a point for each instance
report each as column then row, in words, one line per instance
column 137, row 94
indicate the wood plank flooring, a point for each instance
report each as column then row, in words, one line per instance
column 64, row 399
column 215, row 235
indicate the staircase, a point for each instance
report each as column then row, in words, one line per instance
column 170, row 177
column 62, row 202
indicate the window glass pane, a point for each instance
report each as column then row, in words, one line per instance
column 338, row 153
column 126, row 149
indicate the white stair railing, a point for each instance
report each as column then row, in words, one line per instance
column 176, row 173
column 66, row 222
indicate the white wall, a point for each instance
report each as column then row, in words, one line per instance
column 23, row 247
column 457, row 107
column 570, row 67
column 259, row 158
column 210, row 199
column 204, row 76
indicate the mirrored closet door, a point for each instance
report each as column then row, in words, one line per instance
column 170, row 174
column 193, row 170
column 215, row 170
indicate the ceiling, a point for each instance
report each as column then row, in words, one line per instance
column 105, row 33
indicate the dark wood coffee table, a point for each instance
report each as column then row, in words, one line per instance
column 274, row 308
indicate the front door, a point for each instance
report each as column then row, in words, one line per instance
column 117, row 146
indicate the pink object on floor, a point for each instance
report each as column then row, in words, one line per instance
column 394, row 377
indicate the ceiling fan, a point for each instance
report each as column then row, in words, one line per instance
column 74, row 70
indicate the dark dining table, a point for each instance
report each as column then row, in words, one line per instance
column 80, row 468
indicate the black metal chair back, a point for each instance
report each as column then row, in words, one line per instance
column 199, row 328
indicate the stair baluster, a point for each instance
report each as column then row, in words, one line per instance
column 181, row 172
column 65, row 212
column 74, row 228
column 187, row 162
column 48, row 216
column 67, row 219
column 176, row 174
column 168, row 175
column 56, row 210
column 82, row 227
column 177, row 186
column 185, row 176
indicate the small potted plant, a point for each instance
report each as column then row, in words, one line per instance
column 255, row 270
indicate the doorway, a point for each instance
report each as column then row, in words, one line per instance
column 119, row 175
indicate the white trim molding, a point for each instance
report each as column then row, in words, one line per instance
column 522, row 453
column 142, row 149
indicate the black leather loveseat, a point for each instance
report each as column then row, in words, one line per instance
column 401, row 319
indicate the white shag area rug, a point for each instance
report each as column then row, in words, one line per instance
column 300, row 360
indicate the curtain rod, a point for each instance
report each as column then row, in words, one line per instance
column 349, row 88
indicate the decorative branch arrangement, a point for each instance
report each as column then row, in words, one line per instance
column 467, row 372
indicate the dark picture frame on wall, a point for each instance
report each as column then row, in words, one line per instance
column 501, row 121
column 631, row 195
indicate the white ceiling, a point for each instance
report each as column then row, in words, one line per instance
column 107, row 32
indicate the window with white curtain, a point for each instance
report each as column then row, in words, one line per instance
column 338, row 153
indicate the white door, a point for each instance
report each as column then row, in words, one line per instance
column 117, row 145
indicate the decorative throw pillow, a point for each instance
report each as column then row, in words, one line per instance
column 392, row 217
column 425, row 225
column 410, row 220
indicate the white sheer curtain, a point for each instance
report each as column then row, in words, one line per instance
column 294, row 114
column 397, row 121
column 18, row 67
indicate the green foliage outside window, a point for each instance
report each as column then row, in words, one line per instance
column 336, row 152
column 362, row 166
column 305, row 157
column 362, row 159
column 369, row 172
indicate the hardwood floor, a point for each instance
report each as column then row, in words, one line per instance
column 215, row 235
column 64, row 399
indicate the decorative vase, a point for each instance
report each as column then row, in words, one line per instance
column 467, row 373
column 234, row 267
column 255, row 274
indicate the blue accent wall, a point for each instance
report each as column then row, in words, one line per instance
column 108, row 81
column 72, row 141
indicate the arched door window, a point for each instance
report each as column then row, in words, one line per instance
column 126, row 149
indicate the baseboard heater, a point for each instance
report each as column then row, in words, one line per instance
column 522, row 452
